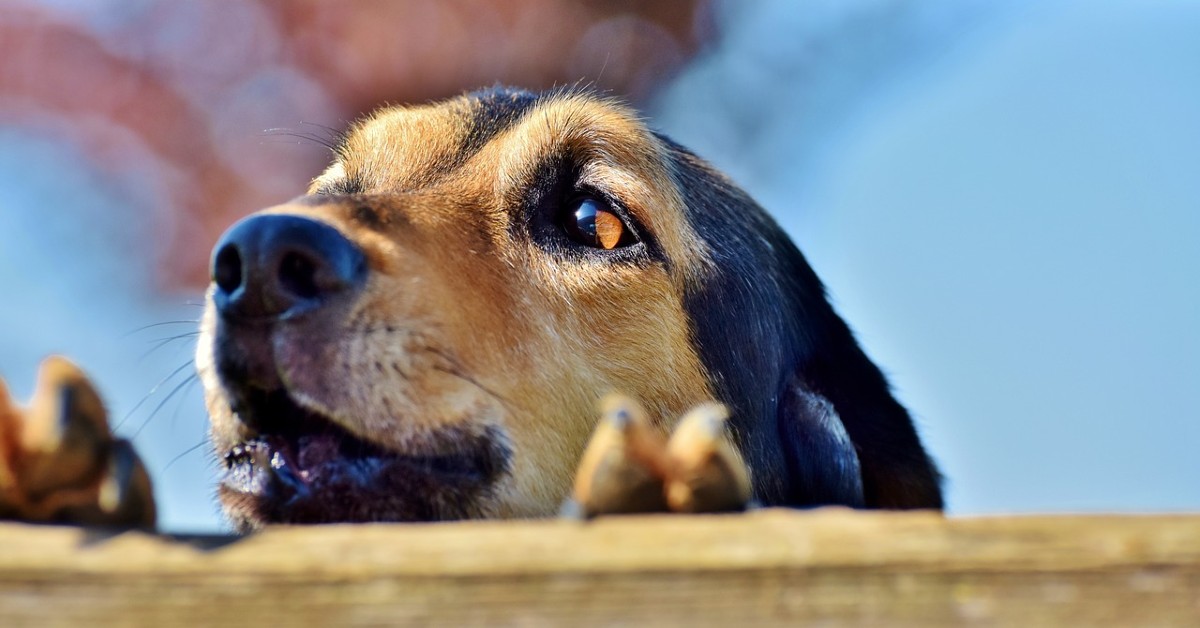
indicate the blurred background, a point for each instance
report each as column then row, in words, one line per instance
column 1003, row 198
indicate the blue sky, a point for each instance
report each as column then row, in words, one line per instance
column 1010, row 219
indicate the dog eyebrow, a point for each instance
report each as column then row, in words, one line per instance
column 468, row 124
column 493, row 111
column 340, row 187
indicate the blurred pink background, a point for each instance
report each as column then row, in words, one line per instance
column 181, row 92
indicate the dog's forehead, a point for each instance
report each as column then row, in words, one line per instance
column 497, row 138
column 404, row 148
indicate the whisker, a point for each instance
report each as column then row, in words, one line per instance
column 153, row 325
column 187, row 451
column 333, row 133
column 151, row 394
column 174, row 391
column 276, row 139
column 337, row 137
column 285, row 132
column 455, row 370
column 162, row 342
column 188, row 334
column 191, row 383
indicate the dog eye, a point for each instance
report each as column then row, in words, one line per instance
column 590, row 221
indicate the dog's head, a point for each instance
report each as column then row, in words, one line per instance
column 426, row 333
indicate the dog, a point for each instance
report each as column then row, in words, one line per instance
column 426, row 333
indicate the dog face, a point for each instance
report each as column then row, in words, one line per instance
column 425, row 334
column 521, row 257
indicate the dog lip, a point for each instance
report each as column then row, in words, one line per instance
column 287, row 463
column 299, row 458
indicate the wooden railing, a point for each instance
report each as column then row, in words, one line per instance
column 767, row 567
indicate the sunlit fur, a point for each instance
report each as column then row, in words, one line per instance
column 469, row 324
column 463, row 324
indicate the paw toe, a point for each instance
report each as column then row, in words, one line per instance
column 708, row 473
column 622, row 470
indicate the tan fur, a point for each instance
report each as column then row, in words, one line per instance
column 462, row 324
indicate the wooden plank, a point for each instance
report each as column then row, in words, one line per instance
column 768, row 567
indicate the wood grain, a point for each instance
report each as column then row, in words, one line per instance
column 768, row 567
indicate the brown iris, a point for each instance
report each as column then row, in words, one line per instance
column 590, row 221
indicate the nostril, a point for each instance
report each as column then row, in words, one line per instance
column 227, row 269
column 281, row 266
column 298, row 276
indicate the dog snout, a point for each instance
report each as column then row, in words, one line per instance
column 277, row 267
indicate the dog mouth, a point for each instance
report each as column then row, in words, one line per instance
column 302, row 467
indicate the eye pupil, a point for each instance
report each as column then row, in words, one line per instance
column 585, row 219
column 592, row 224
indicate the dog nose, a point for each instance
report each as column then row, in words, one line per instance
column 281, row 266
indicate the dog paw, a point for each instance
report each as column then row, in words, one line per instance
column 60, row 463
column 629, row 467
column 706, row 472
column 624, row 466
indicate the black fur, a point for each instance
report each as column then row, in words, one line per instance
column 810, row 410
column 765, row 330
column 821, row 456
column 813, row 416
column 498, row 109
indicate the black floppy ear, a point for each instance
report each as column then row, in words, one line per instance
column 821, row 457
column 813, row 417
column 757, row 312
